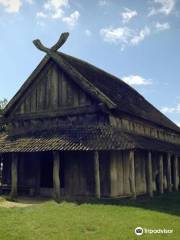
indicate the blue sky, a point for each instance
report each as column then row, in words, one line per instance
column 138, row 41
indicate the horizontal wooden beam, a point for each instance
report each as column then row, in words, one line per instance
column 68, row 111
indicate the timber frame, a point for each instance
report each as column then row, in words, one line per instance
column 73, row 130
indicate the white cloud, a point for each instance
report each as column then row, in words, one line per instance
column 128, row 14
column 116, row 35
column 136, row 80
column 137, row 38
column 103, row 3
column 11, row 6
column 165, row 7
column 124, row 35
column 41, row 15
column 54, row 8
column 54, row 5
column 175, row 109
column 72, row 19
column 59, row 13
column 162, row 26
column 88, row 32
column 30, row 1
column 178, row 124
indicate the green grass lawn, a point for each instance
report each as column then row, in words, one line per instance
column 110, row 220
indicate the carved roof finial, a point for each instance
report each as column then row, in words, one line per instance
column 64, row 36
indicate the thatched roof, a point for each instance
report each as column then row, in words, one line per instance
column 107, row 88
column 127, row 99
column 82, row 138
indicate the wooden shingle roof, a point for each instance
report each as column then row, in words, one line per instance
column 82, row 138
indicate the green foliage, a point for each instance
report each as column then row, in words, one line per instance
column 3, row 104
column 108, row 220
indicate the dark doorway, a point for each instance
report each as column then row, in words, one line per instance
column 61, row 171
column 46, row 170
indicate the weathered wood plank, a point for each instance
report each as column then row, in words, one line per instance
column 14, row 175
column 56, row 178
column 64, row 90
column 33, row 101
column 97, row 175
column 48, row 89
column 132, row 173
column 149, row 175
column 120, row 173
column 161, row 176
column 175, row 174
column 169, row 181
column 113, row 175
column 126, row 173
column 54, row 88
column 62, row 112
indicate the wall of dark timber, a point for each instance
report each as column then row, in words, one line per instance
column 77, row 172
column 120, row 172
column 52, row 90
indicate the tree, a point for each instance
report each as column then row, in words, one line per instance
column 3, row 103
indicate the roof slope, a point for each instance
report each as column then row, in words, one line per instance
column 82, row 138
column 127, row 99
column 106, row 87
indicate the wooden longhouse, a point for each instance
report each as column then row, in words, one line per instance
column 75, row 130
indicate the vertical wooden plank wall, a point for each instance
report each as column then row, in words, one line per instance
column 161, row 174
column 132, row 173
column 119, row 173
column 104, row 173
column 53, row 89
column 140, row 173
column 14, row 175
column 113, row 174
column 79, row 174
column 126, row 171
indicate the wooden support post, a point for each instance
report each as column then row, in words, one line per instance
column 113, row 174
column 169, row 182
column 149, row 175
column 56, row 178
column 161, row 175
column 97, row 175
column 132, row 173
column 175, row 174
column 14, row 177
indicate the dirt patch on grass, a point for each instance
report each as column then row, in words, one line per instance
column 21, row 202
column 8, row 204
